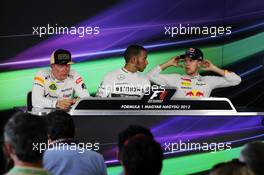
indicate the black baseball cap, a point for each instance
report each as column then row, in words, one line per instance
column 61, row 56
column 193, row 53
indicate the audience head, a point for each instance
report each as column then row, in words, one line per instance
column 141, row 155
column 234, row 167
column 253, row 155
column 131, row 131
column 60, row 125
column 23, row 134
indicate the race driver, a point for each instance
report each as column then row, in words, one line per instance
column 193, row 84
column 56, row 87
column 127, row 81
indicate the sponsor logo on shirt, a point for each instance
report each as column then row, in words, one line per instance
column 127, row 89
column 66, row 95
column 52, row 86
column 68, row 89
column 121, row 77
column 78, row 80
column 183, row 87
column 186, row 79
column 200, row 84
column 51, row 96
column 195, row 93
column 84, row 86
column 186, row 83
column 39, row 80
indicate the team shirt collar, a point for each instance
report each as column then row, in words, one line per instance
column 193, row 77
column 126, row 71
column 54, row 79
column 28, row 170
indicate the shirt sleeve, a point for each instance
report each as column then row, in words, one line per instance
column 229, row 79
column 155, row 76
column 79, row 86
column 38, row 93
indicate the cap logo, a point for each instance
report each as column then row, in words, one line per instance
column 63, row 57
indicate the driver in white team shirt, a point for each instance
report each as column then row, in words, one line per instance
column 56, row 87
column 127, row 81
column 192, row 84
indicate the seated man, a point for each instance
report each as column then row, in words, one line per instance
column 55, row 87
column 193, row 84
column 127, row 82
column 23, row 135
column 65, row 156
column 142, row 155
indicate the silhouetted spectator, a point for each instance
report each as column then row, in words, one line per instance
column 234, row 167
column 25, row 138
column 253, row 155
column 65, row 155
column 129, row 132
column 142, row 155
